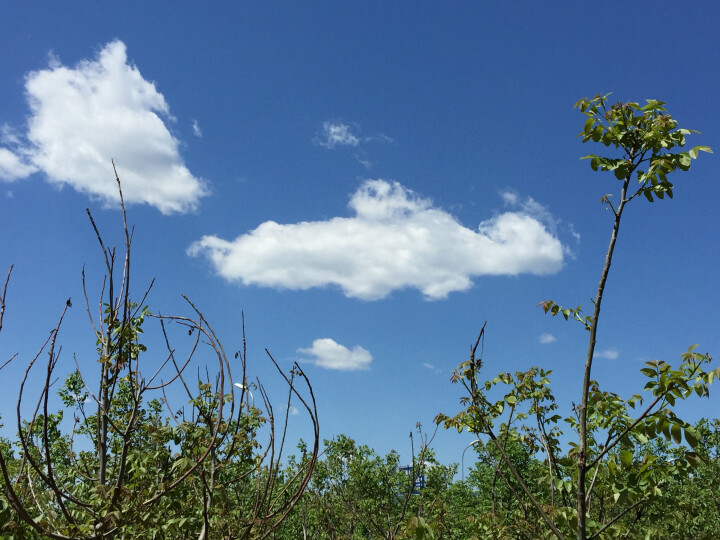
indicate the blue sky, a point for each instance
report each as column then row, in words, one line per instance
column 367, row 181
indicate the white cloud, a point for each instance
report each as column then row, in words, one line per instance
column 331, row 355
column 82, row 117
column 365, row 162
column 294, row 411
column 395, row 240
column 336, row 134
column 196, row 129
column 339, row 134
column 547, row 338
column 610, row 354
column 380, row 138
column 528, row 206
column 431, row 367
column 574, row 233
column 12, row 167
column 509, row 197
column 9, row 135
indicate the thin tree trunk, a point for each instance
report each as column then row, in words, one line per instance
column 582, row 408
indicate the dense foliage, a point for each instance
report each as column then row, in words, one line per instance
column 118, row 460
column 358, row 494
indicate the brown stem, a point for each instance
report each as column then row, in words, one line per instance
column 582, row 408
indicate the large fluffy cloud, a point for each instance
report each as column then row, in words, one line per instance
column 329, row 354
column 82, row 117
column 395, row 240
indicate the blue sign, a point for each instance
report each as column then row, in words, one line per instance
column 419, row 481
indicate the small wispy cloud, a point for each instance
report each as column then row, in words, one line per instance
column 528, row 206
column 362, row 160
column 431, row 367
column 196, row 129
column 380, row 138
column 294, row 411
column 610, row 354
column 9, row 135
column 509, row 197
column 336, row 134
column 13, row 166
column 574, row 233
column 546, row 339
column 329, row 354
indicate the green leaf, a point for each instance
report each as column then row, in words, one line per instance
column 626, row 457
column 676, row 432
column 665, row 426
column 694, row 151
column 693, row 458
column 621, row 172
column 684, row 161
column 649, row 372
column 692, row 436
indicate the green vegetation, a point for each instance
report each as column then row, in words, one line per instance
column 131, row 465
column 602, row 486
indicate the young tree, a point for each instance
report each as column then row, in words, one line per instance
column 126, row 469
column 603, row 483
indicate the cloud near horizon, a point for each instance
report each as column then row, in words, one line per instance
column 82, row 117
column 395, row 240
column 329, row 354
